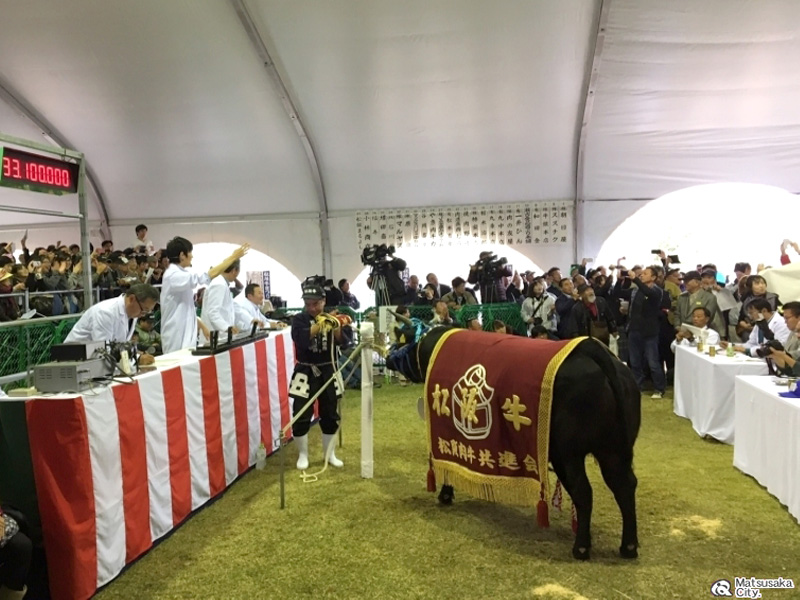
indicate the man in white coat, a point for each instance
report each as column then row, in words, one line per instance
column 248, row 306
column 218, row 312
column 700, row 319
column 114, row 320
column 179, row 320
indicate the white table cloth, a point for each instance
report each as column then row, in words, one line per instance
column 768, row 439
column 704, row 389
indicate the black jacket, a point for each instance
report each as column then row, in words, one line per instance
column 580, row 317
column 645, row 309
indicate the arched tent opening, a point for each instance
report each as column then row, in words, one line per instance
column 718, row 223
column 445, row 262
column 283, row 282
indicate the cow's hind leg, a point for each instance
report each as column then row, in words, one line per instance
column 572, row 473
column 619, row 477
column 446, row 495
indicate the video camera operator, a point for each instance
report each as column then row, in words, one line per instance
column 786, row 359
column 384, row 278
column 769, row 327
column 488, row 272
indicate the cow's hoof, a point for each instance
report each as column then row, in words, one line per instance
column 446, row 495
column 629, row 551
column 581, row 553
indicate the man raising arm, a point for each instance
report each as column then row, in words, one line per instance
column 179, row 320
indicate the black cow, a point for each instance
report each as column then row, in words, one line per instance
column 596, row 410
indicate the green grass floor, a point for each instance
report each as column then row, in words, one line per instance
column 345, row 537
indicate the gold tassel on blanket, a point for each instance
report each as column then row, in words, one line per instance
column 506, row 490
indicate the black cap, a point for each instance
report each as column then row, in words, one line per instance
column 582, row 288
column 709, row 273
column 312, row 291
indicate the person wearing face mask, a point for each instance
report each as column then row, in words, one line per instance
column 592, row 317
column 768, row 325
column 539, row 308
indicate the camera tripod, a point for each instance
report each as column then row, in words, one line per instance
column 381, row 289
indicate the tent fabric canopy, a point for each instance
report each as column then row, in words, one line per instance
column 406, row 103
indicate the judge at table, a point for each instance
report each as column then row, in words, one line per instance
column 247, row 307
column 114, row 320
column 700, row 318
column 218, row 312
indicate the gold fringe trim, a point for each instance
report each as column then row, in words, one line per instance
column 545, row 406
column 431, row 360
column 520, row 491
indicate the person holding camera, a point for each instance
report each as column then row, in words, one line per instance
column 428, row 296
column 488, row 272
column 441, row 289
column 384, row 278
column 768, row 327
column 643, row 328
column 787, row 360
column 539, row 308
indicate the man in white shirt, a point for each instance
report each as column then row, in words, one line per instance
column 760, row 312
column 141, row 240
column 248, row 306
column 700, row 318
column 218, row 313
column 179, row 322
column 114, row 320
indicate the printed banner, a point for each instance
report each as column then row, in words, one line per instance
column 488, row 419
column 261, row 278
column 538, row 223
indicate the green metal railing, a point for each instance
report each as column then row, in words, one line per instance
column 24, row 344
column 27, row 343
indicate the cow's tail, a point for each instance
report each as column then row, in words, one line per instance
column 607, row 363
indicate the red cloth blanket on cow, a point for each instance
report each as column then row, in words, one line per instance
column 487, row 405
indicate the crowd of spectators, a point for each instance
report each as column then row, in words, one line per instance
column 50, row 273
column 639, row 311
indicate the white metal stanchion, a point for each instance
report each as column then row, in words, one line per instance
column 367, row 332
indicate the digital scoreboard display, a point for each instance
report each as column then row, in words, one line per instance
column 25, row 171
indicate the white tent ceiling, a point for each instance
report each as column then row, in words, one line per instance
column 406, row 103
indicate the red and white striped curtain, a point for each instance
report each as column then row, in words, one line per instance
column 118, row 469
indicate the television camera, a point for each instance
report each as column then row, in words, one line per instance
column 376, row 256
column 490, row 267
